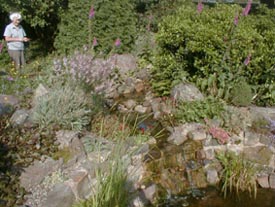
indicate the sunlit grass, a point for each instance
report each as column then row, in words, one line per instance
column 238, row 175
column 111, row 187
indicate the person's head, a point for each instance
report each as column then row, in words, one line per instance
column 16, row 18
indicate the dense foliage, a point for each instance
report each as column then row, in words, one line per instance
column 216, row 48
column 98, row 24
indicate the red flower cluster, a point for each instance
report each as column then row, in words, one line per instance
column 220, row 134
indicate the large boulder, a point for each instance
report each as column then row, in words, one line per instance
column 186, row 92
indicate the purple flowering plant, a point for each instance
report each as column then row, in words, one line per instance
column 95, row 74
column 199, row 7
column 1, row 47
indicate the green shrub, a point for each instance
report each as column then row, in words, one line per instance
column 197, row 111
column 73, row 28
column 241, row 94
column 65, row 106
column 111, row 20
column 238, row 175
column 150, row 12
column 208, row 49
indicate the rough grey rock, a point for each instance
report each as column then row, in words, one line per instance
column 251, row 138
column 130, row 104
column 19, row 117
column 272, row 181
column 9, row 100
column 80, row 183
column 179, row 133
column 263, row 181
column 212, row 176
column 258, row 154
column 61, row 196
column 65, row 138
column 186, row 92
column 124, row 62
column 35, row 173
column 150, row 192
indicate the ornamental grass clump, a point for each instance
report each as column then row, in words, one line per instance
column 65, row 107
column 111, row 187
column 238, row 175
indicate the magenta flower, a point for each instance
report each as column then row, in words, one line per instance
column 247, row 60
column 247, row 8
column 200, row 7
column 91, row 13
column 117, row 42
column 236, row 20
column 9, row 78
column 95, row 42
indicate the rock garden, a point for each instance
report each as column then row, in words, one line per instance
column 156, row 120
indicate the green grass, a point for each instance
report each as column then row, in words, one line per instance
column 238, row 175
column 110, row 190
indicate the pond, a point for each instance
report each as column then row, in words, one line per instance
column 213, row 198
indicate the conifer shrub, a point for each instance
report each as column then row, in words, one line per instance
column 107, row 26
column 73, row 30
column 213, row 47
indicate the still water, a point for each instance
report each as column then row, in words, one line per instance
column 212, row 198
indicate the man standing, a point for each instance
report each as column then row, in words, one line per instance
column 15, row 37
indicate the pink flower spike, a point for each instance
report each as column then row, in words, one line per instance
column 247, row 8
column 200, row 7
column 236, row 20
column 247, row 60
column 1, row 47
column 117, row 42
column 91, row 13
column 95, row 42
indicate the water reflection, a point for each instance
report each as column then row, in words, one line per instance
column 265, row 198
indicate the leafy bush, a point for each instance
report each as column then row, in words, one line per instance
column 150, row 12
column 197, row 111
column 209, row 49
column 110, row 21
column 238, row 175
column 65, row 106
